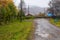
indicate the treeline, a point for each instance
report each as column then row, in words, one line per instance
column 8, row 12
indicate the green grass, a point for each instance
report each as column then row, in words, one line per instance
column 15, row 31
column 55, row 23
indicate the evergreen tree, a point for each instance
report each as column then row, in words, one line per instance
column 21, row 10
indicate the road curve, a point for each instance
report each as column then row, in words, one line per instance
column 46, row 31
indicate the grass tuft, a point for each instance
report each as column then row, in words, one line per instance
column 57, row 23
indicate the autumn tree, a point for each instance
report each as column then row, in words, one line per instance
column 8, row 11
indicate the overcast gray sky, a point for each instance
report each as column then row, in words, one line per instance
column 40, row 3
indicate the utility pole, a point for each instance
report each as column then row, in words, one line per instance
column 44, row 11
column 28, row 9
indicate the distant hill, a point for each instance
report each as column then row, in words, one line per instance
column 35, row 10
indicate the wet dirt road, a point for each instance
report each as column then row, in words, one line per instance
column 46, row 31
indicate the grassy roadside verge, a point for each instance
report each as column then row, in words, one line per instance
column 55, row 23
column 16, row 31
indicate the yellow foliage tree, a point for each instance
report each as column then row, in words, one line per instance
column 5, row 2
